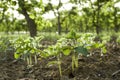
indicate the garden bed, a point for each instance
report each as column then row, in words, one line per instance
column 96, row 67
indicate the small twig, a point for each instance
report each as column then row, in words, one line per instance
column 67, row 69
column 116, row 72
column 87, row 78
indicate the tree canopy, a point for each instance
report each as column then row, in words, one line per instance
column 82, row 15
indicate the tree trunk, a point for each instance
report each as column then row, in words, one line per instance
column 57, row 14
column 30, row 22
column 59, row 24
column 98, row 16
column 31, row 25
column 86, row 23
column 66, row 28
column 93, row 16
column 116, row 26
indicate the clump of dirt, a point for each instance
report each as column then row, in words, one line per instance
column 95, row 67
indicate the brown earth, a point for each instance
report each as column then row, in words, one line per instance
column 95, row 67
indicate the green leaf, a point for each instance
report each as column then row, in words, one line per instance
column 104, row 50
column 71, row 35
column 81, row 50
column 44, row 54
column 13, row 3
column 16, row 55
column 32, row 51
column 66, row 52
column 96, row 45
column 52, row 63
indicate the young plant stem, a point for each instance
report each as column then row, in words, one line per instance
column 35, row 57
column 30, row 58
column 73, row 62
column 59, row 65
column 74, row 58
column 24, row 58
column 28, row 62
column 76, row 61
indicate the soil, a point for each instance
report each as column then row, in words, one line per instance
column 95, row 67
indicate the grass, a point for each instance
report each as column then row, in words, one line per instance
column 53, row 36
column 13, row 36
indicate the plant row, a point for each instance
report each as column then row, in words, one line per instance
column 73, row 44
